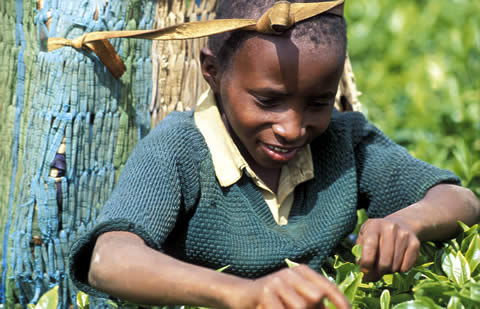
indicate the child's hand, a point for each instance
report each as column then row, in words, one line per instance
column 299, row 287
column 388, row 246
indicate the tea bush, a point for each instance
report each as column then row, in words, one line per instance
column 445, row 276
column 417, row 64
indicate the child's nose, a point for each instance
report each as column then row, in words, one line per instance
column 291, row 128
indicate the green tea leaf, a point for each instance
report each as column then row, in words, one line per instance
column 49, row 300
column 455, row 303
column 420, row 303
column 291, row 264
column 83, row 300
column 473, row 253
column 385, row 299
column 474, row 289
column 461, row 269
column 350, row 285
column 413, row 304
column 114, row 305
column 456, row 268
column 361, row 218
column 434, row 289
column 223, row 268
column 464, row 227
column 357, row 251
column 401, row 298
column 388, row 279
column 403, row 282
column 467, row 240
column 343, row 269
column 430, row 274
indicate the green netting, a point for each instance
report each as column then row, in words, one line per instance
column 8, row 77
column 68, row 98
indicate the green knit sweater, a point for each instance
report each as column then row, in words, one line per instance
column 168, row 194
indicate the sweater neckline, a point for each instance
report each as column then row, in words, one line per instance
column 260, row 209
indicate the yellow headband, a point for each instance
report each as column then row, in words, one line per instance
column 276, row 20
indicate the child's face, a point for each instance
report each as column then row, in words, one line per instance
column 277, row 96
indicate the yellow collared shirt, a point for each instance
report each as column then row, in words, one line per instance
column 229, row 164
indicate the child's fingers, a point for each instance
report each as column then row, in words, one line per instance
column 401, row 244
column 411, row 254
column 290, row 298
column 271, row 301
column 386, row 250
column 329, row 289
column 284, row 286
column 309, row 291
column 370, row 242
column 300, row 287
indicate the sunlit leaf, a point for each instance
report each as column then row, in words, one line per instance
column 291, row 264
column 413, row 304
column 430, row 274
column 343, row 269
column 385, row 299
column 473, row 253
column 115, row 306
column 49, row 300
column 350, row 285
column 83, row 300
column 433, row 289
column 447, row 265
column 357, row 251
column 223, row 268
column 461, row 269
column 455, row 303
column 464, row 227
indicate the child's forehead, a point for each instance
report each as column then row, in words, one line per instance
column 284, row 61
column 280, row 46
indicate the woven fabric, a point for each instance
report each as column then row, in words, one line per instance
column 168, row 194
column 69, row 128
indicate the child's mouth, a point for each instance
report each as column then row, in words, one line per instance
column 279, row 153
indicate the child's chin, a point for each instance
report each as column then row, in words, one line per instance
column 272, row 164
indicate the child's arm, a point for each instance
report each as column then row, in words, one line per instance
column 392, row 244
column 123, row 266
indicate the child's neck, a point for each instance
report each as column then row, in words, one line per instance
column 269, row 176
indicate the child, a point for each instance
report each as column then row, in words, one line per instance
column 264, row 170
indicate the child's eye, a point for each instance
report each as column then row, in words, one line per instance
column 318, row 104
column 266, row 102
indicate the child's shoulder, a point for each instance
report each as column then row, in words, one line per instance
column 352, row 129
column 174, row 136
column 176, row 123
column 348, row 119
column 349, row 125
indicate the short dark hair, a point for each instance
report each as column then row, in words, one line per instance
column 327, row 29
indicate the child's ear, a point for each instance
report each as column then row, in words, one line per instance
column 210, row 68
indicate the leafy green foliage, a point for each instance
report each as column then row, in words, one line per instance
column 417, row 64
column 49, row 300
column 446, row 275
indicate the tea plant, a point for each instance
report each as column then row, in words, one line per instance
column 446, row 275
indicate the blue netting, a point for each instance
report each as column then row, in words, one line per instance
column 68, row 98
